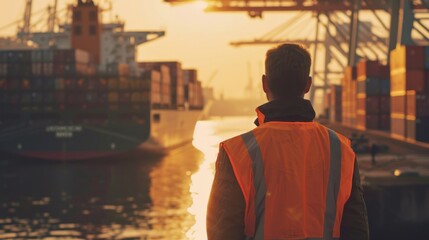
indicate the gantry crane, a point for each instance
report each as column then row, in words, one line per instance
column 406, row 17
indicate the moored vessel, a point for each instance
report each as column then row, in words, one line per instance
column 81, row 94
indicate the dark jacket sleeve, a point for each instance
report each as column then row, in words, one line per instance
column 225, row 212
column 354, row 224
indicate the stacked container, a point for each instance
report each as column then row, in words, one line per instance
column 373, row 98
column 409, row 92
column 172, row 85
column 193, row 89
column 335, row 98
column 349, row 98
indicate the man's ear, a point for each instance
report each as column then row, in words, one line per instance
column 265, row 84
column 308, row 86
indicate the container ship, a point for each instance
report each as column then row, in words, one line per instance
column 80, row 93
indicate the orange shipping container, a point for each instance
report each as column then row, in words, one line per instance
column 398, row 126
column 397, row 104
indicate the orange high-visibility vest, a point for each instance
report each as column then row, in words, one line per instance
column 295, row 177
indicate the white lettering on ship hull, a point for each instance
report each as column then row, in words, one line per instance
column 64, row 131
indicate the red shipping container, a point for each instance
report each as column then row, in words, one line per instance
column 58, row 69
column 372, row 121
column 384, row 72
column 367, row 68
column 372, row 105
column 384, row 122
column 384, row 104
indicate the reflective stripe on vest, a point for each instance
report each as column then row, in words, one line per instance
column 259, row 184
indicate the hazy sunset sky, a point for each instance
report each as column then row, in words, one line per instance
column 195, row 38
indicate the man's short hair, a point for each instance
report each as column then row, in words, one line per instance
column 287, row 68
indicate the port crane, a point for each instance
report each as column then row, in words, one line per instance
column 341, row 21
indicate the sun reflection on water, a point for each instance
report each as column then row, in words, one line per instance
column 207, row 136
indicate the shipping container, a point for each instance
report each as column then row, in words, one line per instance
column 417, row 105
column 335, row 108
column 19, row 69
column 14, row 83
column 3, row 56
column 398, row 126
column 418, row 129
column 59, row 83
column 384, row 122
column 369, row 86
column 48, row 68
column 426, row 61
column 37, row 56
column 407, row 57
column 92, row 83
column 60, row 97
column 18, row 56
column 3, row 84
column 175, row 78
column 350, row 73
column 189, row 76
column 36, row 83
column 385, row 104
column 385, row 87
column 37, row 69
column 398, row 103
column 124, row 83
column 102, row 83
column 404, row 80
column 3, row 70
column 48, row 55
column 368, row 69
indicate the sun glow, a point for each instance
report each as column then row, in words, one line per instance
column 200, row 5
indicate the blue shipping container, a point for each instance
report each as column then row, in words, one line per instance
column 385, row 87
column 372, row 86
column 427, row 57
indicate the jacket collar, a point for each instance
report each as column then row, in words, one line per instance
column 295, row 110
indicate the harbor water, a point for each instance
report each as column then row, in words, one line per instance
column 137, row 196
column 131, row 197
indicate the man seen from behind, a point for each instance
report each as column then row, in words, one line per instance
column 290, row 177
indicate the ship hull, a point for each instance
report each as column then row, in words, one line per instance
column 170, row 129
column 166, row 129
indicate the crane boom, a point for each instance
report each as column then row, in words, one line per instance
column 52, row 17
column 25, row 30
